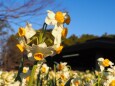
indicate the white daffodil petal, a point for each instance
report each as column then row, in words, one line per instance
column 29, row 31
column 47, row 21
column 50, row 19
column 51, row 14
column 56, row 32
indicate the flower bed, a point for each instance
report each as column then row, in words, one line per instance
column 62, row 75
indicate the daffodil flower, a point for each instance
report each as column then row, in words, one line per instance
column 75, row 82
column 110, row 81
column 25, row 69
column 21, row 32
column 21, row 45
column 57, row 18
column 39, row 52
column 29, row 31
column 62, row 66
column 57, row 33
column 25, row 35
column 64, row 75
column 104, row 63
column 44, row 68
column 50, row 19
column 111, row 70
column 25, row 75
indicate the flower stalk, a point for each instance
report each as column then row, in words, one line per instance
column 32, row 75
column 20, row 69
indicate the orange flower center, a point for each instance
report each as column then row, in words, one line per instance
column 43, row 69
column 63, row 77
column 21, row 32
column 76, row 83
column 60, row 67
column 38, row 56
column 25, row 70
column 59, row 17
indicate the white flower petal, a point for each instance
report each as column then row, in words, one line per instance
column 29, row 31
column 51, row 14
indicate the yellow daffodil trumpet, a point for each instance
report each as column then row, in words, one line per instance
column 59, row 17
column 38, row 56
column 21, row 31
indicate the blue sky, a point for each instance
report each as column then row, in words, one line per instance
column 90, row 16
column 87, row 16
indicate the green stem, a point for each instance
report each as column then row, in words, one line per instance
column 20, row 69
column 43, row 26
column 44, row 29
column 32, row 75
column 98, row 83
column 55, row 74
column 38, row 76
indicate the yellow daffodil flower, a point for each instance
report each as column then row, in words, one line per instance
column 64, row 75
column 50, row 19
column 25, row 69
column 40, row 51
column 104, row 63
column 57, row 32
column 61, row 66
column 44, row 68
column 75, row 82
column 21, row 32
column 56, row 18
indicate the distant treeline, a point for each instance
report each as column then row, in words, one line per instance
column 73, row 39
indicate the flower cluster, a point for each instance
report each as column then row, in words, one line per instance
column 106, row 76
column 61, row 75
column 39, row 44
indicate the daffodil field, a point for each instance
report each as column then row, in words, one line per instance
column 37, row 45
